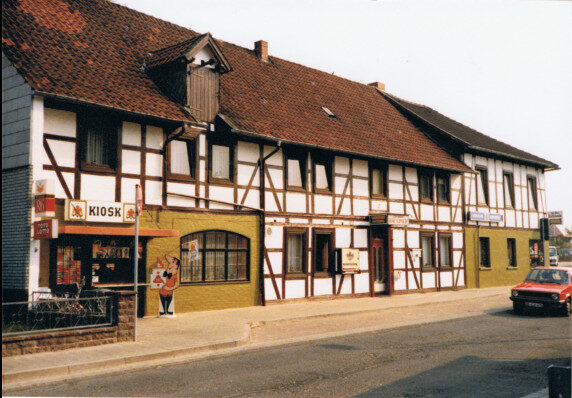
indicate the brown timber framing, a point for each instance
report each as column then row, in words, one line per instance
column 59, row 174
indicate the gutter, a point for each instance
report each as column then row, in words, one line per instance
column 73, row 100
column 237, row 130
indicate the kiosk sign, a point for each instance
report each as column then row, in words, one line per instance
column 97, row 211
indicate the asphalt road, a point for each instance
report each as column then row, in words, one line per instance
column 495, row 355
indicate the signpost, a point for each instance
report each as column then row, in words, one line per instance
column 138, row 208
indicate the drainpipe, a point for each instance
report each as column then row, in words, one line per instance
column 477, row 255
column 262, row 164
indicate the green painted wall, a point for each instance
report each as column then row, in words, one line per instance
column 207, row 296
column 499, row 273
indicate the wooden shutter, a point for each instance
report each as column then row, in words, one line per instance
column 203, row 93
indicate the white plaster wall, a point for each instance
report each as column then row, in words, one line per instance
column 343, row 238
column 130, row 162
column 153, row 192
column 64, row 153
column 185, row 189
column 361, row 283
column 395, row 172
column 131, row 134
column 95, row 187
column 360, row 168
column 154, row 165
column 244, row 173
column 360, row 238
column 341, row 165
column 295, row 202
column 322, row 286
column 154, row 137
column 275, row 262
column 59, row 122
column 224, row 194
column 128, row 189
column 361, row 207
column 428, row 280
column 295, row 288
column 275, row 239
column 247, row 152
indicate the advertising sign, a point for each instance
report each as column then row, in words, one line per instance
column 97, row 211
column 350, row 261
column 46, row 229
column 495, row 217
column 194, row 250
column 44, row 187
column 389, row 219
column 481, row 216
column 157, row 279
column 45, row 206
column 555, row 217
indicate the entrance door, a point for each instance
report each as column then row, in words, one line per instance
column 379, row 269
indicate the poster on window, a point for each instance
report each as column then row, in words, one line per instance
column 194, row 250
column 536, row 252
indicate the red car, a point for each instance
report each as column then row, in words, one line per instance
column 544, row 288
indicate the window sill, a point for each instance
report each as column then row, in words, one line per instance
column 98, row 168
column 202, row 283
column 297, row 275
column 444, row 202
column 295, row 189
column 321, row 191
column 446, row 268
column 428, row 269
column 512, row 268
column 481, row 268
column 180, row 177
column 427, row 201
column 221, row 181
column 378, row 197
column 321, row 274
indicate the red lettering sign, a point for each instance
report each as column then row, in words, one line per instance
column 139, row 199
column 45, row 206
column 46, row 229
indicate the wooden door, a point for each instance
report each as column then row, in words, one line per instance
column 380, row 271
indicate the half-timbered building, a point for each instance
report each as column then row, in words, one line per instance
column 504, row 206
column 269, row 180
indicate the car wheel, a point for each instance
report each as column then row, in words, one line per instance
column 517, row 307
column 566, row 308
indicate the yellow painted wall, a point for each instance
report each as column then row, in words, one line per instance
column 207, row 296
column 499, row 273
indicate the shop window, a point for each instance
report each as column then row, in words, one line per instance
column 443, row 188
column 295, row 170
column 322, row 173
column 220, row 256
column 511, row 251
column 378, row 181
column 536, row 252
column 532, row 198
column 98, row 141
column 323, row 251
column 426, row 185
column 482, row 187
column 508, row 187
column 111, row 261
column 221, row 162
column 295, row 252
column 485, row 253
column 427, row 251
column 445, row 252
column 182, row 159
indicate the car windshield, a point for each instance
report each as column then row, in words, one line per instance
column 548, row 276
column 553, row 251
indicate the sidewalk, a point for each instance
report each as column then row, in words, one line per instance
column 169, row 340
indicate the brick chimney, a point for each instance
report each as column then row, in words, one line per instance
column 261, row 50
column 380, row 86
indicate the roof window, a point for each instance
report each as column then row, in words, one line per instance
column 328, row 112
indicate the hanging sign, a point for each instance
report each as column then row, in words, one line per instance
column 350, row 261
column 397, row 220
column 46, row 229
column 97, row 211
column 555, row 217
column 45, row 206
column 44, row 187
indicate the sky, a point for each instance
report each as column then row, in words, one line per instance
column 501, row 67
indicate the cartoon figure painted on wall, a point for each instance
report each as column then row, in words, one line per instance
column 166, row 280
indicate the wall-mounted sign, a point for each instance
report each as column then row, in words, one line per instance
column 482, row 216
column 45, row 206
column 388, row 219
column 350, row 261
column 44, row 187
column 97, row 211
column 46, row 229
column 157, row 279
column 555, row 217
column 398, row 220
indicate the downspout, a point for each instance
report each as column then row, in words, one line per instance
column 261, row 245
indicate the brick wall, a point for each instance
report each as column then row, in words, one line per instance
column 16, row 233
column 54, row 341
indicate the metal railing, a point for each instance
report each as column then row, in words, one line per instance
column 51, row 314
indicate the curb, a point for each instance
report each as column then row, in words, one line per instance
column 67, row 372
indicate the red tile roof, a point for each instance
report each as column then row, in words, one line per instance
column 94, row 50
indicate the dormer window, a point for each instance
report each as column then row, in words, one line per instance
column 188, row 72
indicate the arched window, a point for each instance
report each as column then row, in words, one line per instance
column 222, row 256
